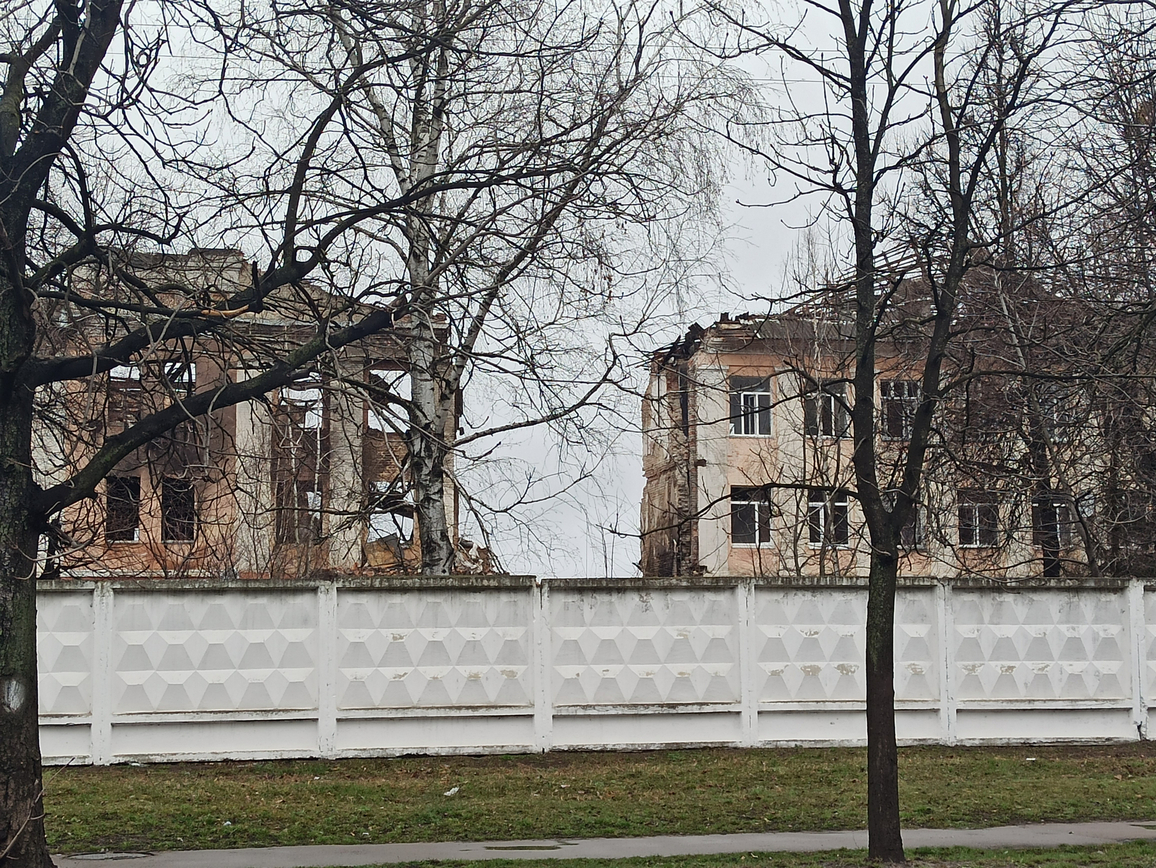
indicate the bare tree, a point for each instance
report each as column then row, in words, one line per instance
column 583, row 124
column 893, row 108
column 407, row 168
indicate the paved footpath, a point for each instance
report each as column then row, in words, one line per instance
column 323, row 855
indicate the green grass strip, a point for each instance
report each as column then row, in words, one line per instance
column 256, row 804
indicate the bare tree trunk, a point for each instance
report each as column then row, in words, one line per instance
column 885, row 839
column 22, row 841
column 430, row 411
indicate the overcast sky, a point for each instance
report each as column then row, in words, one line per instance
column 592, row 529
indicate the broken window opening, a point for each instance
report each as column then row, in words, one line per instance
column 122, row 509
column 391, row 514
column 124, row 395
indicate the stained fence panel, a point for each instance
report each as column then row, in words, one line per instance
column 1041, row 644
column 204, row 651
column 633, row 647
column 229, row 669
column 434, row 649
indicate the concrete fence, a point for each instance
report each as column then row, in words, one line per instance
column 154, row 671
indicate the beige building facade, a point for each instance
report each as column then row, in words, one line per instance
column 748, row 462
column 309, row 479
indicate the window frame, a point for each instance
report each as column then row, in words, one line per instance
column 825, row 411
column 171, row 487
column 906, row 404
column 120, row 534
column 761, row 519
column 756, row 391
column 1061, row 524
column 917, row 532
column 983, row 510
column 828, row 509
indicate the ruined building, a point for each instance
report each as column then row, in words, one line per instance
column 309, row 478
column 1040, row 462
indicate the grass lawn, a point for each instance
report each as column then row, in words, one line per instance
column 1136, row 855
column 208, row 805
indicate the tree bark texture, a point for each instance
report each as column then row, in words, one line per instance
column 22, row 840
column 885, row 839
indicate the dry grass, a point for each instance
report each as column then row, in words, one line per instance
column 193, row 806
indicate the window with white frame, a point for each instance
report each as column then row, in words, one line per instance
column 750, row 405
column 978, row 513
column 828, row 520
column 1060, row 410
column 1051, row 530
column 825, row 410
column 751, row 513
column 898, row 402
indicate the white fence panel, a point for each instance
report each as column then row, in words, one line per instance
column 357, row 667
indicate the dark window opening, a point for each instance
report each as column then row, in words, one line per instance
column 1051, row 531
column 978, row 520
column 825, row 410
column 899, row 400
column 122, row 509
column 178, row 510
column 911, row 534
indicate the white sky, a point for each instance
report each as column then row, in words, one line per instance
column 571, row 535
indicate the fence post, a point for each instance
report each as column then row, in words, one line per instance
column 540, row 647
column 103, row 626
column 748, row 695
column 327, row 668
column 1139, row 630
column 946, row 627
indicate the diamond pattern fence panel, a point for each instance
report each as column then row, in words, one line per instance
column 120, row 662
column 810, row 645
column 65, row 631
column 1148, row 647
column 635, row 647
column 196, row 651
column 1041, row 644
column 434, row 649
